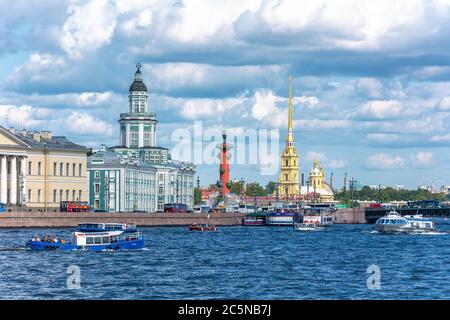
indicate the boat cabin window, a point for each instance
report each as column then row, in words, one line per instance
column 98, row 240
column 90, row 240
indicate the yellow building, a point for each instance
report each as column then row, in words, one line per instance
column 317, row 187
column 38, row 170
column 288, row 181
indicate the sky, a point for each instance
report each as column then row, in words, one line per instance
column 371, row 79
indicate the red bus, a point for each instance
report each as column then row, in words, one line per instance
column 74, row 206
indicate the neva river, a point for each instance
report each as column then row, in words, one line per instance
column 234, row 263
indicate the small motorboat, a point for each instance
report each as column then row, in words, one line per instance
column 98, row 237
column 395, row 223
column 202, row 227
column 308, row 227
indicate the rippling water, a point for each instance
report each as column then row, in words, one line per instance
column 234, row 263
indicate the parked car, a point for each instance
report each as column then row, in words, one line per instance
column 176, row 207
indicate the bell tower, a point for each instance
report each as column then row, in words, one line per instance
column 288, row 180
column 137, row 126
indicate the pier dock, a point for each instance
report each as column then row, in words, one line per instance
column 72, row 219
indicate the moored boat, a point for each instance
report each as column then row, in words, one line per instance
column 308, row 227
column 395, row 223
column 202, row 227
column 283, row 218
column 255, row 219
column 92, row 239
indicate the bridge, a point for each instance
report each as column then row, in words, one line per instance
column 373, row 214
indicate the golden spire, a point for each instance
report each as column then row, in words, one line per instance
column 290, row 103
column 290, row 137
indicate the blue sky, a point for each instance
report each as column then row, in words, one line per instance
column 371, row 78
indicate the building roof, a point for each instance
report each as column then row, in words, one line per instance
column 138, row 84
column 43, row 139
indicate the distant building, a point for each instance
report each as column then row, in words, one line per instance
column 317, row 188
column 38, row 170
column 138, row 175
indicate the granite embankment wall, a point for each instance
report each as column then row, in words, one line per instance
column 69, row 219
column 350, row 215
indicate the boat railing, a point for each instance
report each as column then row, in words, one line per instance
column 127, row 237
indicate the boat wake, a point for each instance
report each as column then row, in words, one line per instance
column 431, row 233
column 13, row 249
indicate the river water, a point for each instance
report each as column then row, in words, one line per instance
column 234, row 263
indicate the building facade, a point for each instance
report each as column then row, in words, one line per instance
column 138, row 175
column 288, row 186
column 317, row 188
column 38, row 170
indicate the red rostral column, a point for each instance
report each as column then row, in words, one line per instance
column 224, row 166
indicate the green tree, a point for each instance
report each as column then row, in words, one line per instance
column 255, row 189
column 197, row 196
column 271, row 188
column 237, row 187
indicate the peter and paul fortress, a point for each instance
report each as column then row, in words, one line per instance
column 288, row 186
column 288, row 183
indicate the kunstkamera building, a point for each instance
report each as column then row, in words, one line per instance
column 137, row 175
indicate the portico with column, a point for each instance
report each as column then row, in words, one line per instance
column 12, row 178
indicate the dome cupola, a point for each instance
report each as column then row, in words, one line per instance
column 138, row 85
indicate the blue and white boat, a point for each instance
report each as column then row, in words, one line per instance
column 94, row 237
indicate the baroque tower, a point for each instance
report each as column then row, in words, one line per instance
column 138, row 126
column 288, row 180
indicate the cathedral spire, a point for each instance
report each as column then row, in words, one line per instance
column 290, row 136
column 290, row 104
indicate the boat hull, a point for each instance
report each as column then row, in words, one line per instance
column 49, row 246
column 392, row 229
column 246, row 222
column 202, row 228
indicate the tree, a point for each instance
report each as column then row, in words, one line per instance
column 197, row 196
column 271, row 188
column 254, row 189
column 236, row 187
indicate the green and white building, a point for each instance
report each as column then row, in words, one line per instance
column 137, row 175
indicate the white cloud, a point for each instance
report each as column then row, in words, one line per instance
column 441, row 138
column 24, row 116
column 444, row 104
column 422, row 160
column 89, row 26
column 85, row 124
column 265, row 105
column 382, row 161
column 36, row 69
column 370, row 87
column 207, row 108
column 378, row 110
column 327, row 163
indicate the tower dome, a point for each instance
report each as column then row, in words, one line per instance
column 138, row 85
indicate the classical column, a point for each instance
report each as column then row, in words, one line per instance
column 24, row 180
column 13, row 181
column 3, row 181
